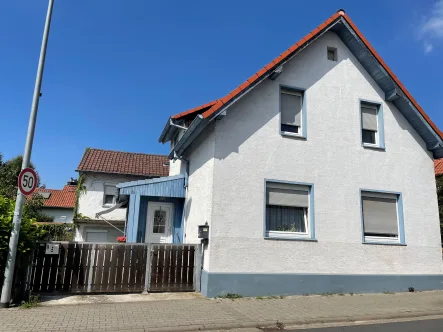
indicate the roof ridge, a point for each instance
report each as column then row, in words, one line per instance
column 141, row 153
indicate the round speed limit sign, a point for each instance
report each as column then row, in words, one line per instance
column 27, row 181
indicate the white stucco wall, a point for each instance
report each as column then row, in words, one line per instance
column 57, row 213
column 198, row 203
column 176, row 167
column 249, row 148
column 92, row 202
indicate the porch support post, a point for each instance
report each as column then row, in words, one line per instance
column 198, row 267
column 148, row 269
column 133, row 214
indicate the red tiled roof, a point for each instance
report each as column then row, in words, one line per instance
column 69, row 187
column 198, row 109
column 116, row 162
column 438, row 165
column 290, row 51
column 64, row 198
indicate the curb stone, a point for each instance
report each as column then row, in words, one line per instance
column 320, row 320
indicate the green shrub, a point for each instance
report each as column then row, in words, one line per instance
column 29, row 231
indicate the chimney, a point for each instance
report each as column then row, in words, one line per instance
column 72, row 182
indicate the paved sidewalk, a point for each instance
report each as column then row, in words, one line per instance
column 207, row 314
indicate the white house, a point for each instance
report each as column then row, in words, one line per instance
column 315, row 175
column 99, row 173
column 59, row 203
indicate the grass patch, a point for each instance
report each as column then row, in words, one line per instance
column 33, row 301
column 231, row 296
column 388, row 292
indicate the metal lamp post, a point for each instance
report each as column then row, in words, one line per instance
column 12, row 252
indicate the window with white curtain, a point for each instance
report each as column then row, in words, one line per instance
column 287, row 208
column 369, row 123
column 110, row 194
column 291, row 108
column 380, row 216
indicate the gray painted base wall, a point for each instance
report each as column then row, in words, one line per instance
column 213, row 284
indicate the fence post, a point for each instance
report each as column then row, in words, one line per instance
column 148, row 269
column 27, row 288
column 91, row 266
column 197, row 267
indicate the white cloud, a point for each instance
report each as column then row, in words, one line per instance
column 428, row 47
column 432, row 27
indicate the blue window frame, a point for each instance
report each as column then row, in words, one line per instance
column 289, row 210
column 292, row 110
column 371, row 124
column 382, row 218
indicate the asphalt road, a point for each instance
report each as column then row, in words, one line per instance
column 411, row 326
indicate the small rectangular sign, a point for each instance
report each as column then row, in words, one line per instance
column 52, row 249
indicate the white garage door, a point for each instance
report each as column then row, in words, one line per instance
column 96, row 236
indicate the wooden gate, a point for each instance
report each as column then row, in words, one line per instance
column 121, row 268
column 89, row 267
column 173, row 268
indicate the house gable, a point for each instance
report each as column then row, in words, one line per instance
column 250, row 151
column 342, row 25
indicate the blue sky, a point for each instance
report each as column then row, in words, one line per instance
column 116, row 69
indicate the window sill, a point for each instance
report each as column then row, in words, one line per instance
column 292, row 135
column 286, row 238
column 385, row 243
column 374, row 147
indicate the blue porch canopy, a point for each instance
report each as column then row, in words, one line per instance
column 169, row 189
column 168, row 186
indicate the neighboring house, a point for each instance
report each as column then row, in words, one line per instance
column 316, row 175
column 99, row 173
column 59, row 203
column 438, row 165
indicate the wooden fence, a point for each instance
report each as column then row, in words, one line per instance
column 172, row 268
column 120, row 268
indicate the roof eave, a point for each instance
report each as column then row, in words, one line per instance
column 166, row 130
column 194, row 129
column 120, row 173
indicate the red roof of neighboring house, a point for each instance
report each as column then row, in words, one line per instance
column 290, row 51
column 438, row 165
column 64, row 198
column 117, row 162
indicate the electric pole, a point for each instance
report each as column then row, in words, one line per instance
column 16, row 223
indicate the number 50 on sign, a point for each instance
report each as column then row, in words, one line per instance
column 27, row 181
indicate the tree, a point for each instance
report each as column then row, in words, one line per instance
column 9, row 172
column 439, row 181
